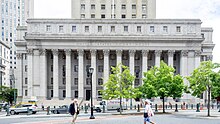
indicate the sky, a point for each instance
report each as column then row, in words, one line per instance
column 206, row 10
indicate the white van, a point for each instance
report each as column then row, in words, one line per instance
column 111, row 105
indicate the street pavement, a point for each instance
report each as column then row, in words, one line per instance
column 129, row 117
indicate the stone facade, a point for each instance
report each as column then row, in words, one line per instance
column 56, row 53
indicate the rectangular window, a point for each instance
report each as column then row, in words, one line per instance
column 144, row 7
column 113, row 6
column 144, row 16
column 133, row 16
column 92, row 16
column 64, row 80
column 25, row 92
column 165, row 29
column 64, row 93
column 100, row 81
column 86, row 28
column 51, row 93
column 48, row 28
column 76, row 68
column 138, row 28
column 99, row 28
column 103, row 7
column 88, row 81
column 93, row 7
column 123, row 6
column 76, row 94
column 100, row 68
column 82, row 16
column 123, row 16
column 178, row 29
column 61, row 28
column 137, row 82
column 125, row 28
column 74, row 29
column 102, row 16
column 51, row 80
column 75, row 81
column 51, row 68
column 112, row 28
column 26, row 81
column 113, row 16
column 25, row 68
column 83, row 6
column 151, row 28
column 133, row 6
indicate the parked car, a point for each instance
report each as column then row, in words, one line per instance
column 23, row 108
column 61, row 110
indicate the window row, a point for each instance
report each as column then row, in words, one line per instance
column 113, row 6
column 123, row 16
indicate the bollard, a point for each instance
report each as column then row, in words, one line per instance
column 186, row 106
column 28, row 111
column 171, row 107
column 212, row 106
column 138, row 110
column 82, row 107
column 86, row 107
column 176, row 110
column 197, row 108
column 191, row 106
column 7, row 109
column 103, row 111
column 135, row 107
column 48, row 110
column 156, row 108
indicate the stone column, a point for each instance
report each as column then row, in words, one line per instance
column 30, row 72
column 106, row 65
column 81, row 73
column 94, row 75
column 183, row 63
column 19, row 77
column 55, row 74
column 197, row 58
column 43, row 73
column 170, row 57
column 157, row 57
column 119, row 56
column 144, row 61
column 131, row 61
column 209, row 58
column 68, row 73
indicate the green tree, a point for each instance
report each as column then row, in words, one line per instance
column 161, row 82
column 119, row 85
column 204, row 78
column 7, row 94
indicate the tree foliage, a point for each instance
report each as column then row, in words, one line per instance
column 7, row 94
column 162, row 82
column 120, row 84
column 204, row 78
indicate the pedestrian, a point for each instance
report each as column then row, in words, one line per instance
column 74, row 110
column 148, row 112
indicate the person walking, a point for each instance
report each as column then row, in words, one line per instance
column 74, row 110
column 148, row 112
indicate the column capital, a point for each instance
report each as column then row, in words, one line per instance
column 43, row 52
column 19, row 55
column 106, row 52
column 67, row 52
column 80, row 52
column 184, row 53
column 55, row 52
column 145, row 52
column 197, row 53
column 30, row 51
column 93, row 52
column 171, row 52
column 158, row 53
column 119, row 52
column 132, row 52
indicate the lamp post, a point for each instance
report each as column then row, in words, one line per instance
column 91, row 71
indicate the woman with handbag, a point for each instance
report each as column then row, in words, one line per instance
column 148, row 112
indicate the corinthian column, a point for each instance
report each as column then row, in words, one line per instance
column 81, row 74
column 197, row 58
column 19, row 75
column 94, row 79
column 144, row 61
column 30, row 72
column 55, row 74
column 131, row 61
column 106, row 65
column 43, row 73
column 170, row 57
column 68, row 73
column 157, row 57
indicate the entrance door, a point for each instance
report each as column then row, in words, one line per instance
column 88, row 92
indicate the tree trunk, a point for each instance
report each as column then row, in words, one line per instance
column 208, row 101
column 163, row 105
column 120, row 106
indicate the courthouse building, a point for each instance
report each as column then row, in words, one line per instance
column 53, row 55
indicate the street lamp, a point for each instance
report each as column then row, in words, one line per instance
column 91, row 71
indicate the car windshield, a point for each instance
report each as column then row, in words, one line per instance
column 26, row 105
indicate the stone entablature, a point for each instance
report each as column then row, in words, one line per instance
column 190, row 28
